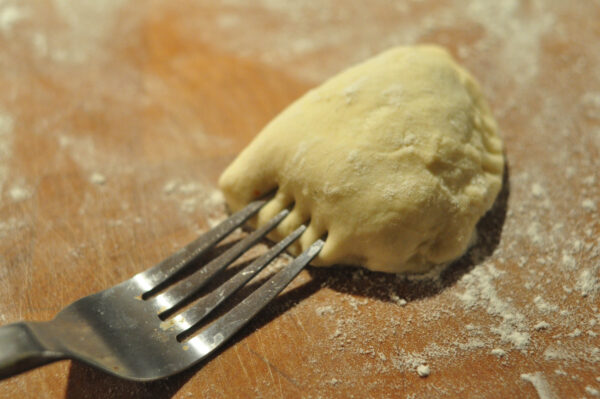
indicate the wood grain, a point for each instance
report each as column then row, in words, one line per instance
column 116, row 120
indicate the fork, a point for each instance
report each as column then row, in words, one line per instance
column 133, row 331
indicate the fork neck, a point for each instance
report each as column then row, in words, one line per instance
column 22, row 350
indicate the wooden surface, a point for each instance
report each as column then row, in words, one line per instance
column 116, row 118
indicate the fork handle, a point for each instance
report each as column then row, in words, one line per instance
column 20, row 350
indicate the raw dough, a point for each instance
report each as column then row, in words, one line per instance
column 395, row 159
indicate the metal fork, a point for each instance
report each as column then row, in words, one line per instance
column 125, row 330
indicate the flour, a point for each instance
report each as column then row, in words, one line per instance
column 472, row 343
column 592, row 391
column 540, row 384
column 542, row 325
column 196, row 197
column 169, row 186
column 88, row 24
column 568, row 261
column 590, row 102
column 558, row 353
column 406, row 361
column 98, row 178
column 214, row 200
column 537, row 190
column 587, row 281
column 85, row 152
column 323, row 310
column 589, row 205
column 423, row 370
column 18, row 193
column 575, row 333
column 498, row 352
column 10, row 225
column 501, row 22
column 549, row 245
column 480, row 292
column 395, row 298
column 9, row 16
column 544, row 306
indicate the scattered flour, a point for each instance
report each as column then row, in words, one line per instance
column 472, row 343
column 88, row 154
column 169, row 186
column 589, row 205
column 542, row 325
column 323, row 310
column 214, row 199
column 575, row 333
column 537, row 190
column 501, row 21
column 480, row 292
column 590, row 102
column 544, row 306
column 17, row 193
column 587, row 281
column 515, row 42
column 191, row 188
column 401, row 302
column 196, row 197
column 568, row 261
column 395, row 298
column 8, row 226
column 558, row 353
column 423, row 370
column 533, row 231
column 9, row 15
column 97, row 178
column 407, row 361
column 87, row 25
column 540, row 384
column 592, row 391
column 498, row 352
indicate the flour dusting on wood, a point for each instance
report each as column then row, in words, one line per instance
column 522, row 304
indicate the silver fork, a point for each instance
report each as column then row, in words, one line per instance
column 125, row 330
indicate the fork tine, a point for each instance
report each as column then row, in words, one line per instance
column 223, row 328
column 170, row 300
column 207, row 304
column 157, row 276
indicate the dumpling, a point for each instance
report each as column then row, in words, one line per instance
column 394, row 159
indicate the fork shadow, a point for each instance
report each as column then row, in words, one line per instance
column 87, row 382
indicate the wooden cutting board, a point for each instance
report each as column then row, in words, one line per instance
column 117, row 117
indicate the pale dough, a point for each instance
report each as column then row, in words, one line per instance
column 395, row 159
